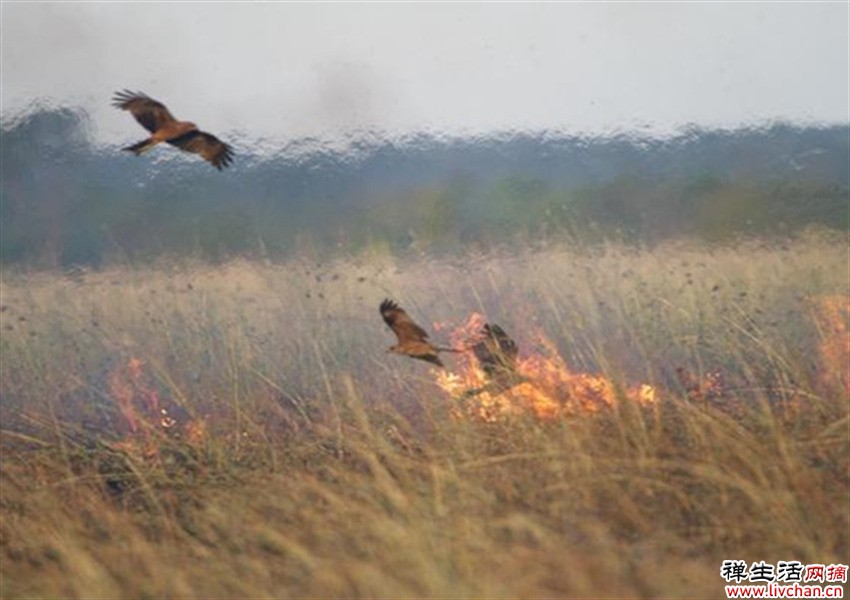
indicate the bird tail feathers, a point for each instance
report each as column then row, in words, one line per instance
column 141, row 147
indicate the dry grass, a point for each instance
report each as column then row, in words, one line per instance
column 304, row 461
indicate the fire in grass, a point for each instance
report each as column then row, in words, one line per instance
column 149, row 418
column 494, row 380
column 831, row 315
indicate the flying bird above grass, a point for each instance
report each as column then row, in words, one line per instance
column 496, row 351
column 156, row 118
column 497, row 356
column 412, row 339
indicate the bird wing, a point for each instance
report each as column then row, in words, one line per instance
column 504, row 344
column 207, row 145
column 150, row 114
column 401, row 323
column 496, row 351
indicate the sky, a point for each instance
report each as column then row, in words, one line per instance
column 286, row 71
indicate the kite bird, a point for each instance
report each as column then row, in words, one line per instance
column 156, row 118
column 412, row 339
column 497, row 356
column 496, row 351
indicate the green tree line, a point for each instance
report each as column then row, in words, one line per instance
column 66, row 201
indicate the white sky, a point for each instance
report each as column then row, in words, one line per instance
column 288, row 70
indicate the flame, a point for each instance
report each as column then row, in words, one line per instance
column 544, row 386
column 832, row 316
column 710, row 386
column 146, row 416
column 135, row 400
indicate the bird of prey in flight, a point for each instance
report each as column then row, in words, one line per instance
column 156, row 118
column 497, row 356
column 412, row 339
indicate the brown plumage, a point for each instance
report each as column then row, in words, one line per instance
column 496, row 351
column 412, row 339
column 497, row 355
column 156, row 118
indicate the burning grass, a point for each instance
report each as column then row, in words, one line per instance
column 240, row 431
column 542, row 384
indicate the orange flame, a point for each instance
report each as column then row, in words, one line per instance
column 544, row 387
column 832, row 317
column 146, row 417
column 135, row 400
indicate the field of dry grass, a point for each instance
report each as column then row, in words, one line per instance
column 296, row 458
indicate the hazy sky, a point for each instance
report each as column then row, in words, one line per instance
column 287, row 70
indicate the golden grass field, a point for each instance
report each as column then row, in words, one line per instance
column 298, row 459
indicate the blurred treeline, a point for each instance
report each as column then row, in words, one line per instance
column 66, row 201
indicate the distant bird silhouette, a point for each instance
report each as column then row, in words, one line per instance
column 156, row 118
column 497, row 356
column 412, row 339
